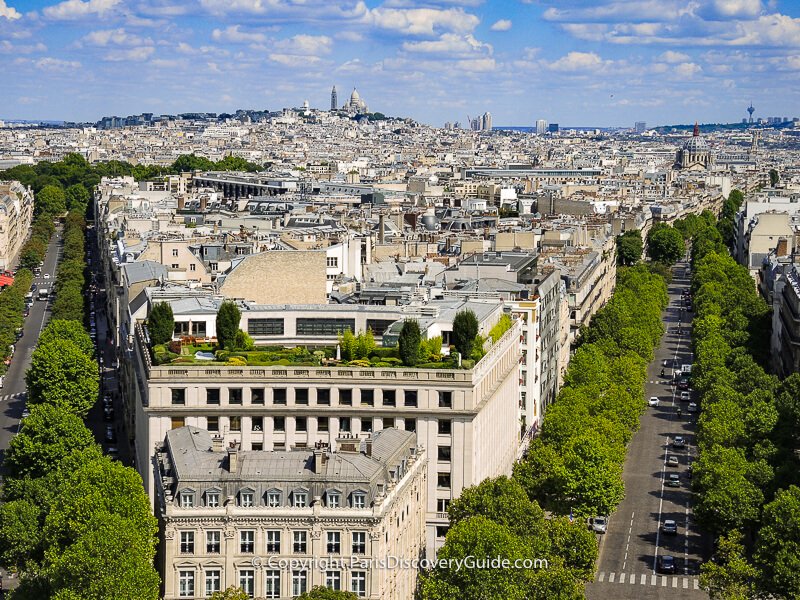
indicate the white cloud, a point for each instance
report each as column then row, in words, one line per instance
column 732, row 9
column 56, row 64
column 349, row 36
column 477, row 65
column 577, row 61
column 674, row 57
column 7, row 47
column 307, row 45
column 422, row 21
column 687, row 69
column 294, row 60
column 77, row 9
column 115, row 37
column 234, row 35
column 130, row 55
column 8, row 12
column 501, row 25
column 449, row 44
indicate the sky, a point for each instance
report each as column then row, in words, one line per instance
column 572, row 62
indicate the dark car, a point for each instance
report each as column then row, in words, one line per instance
column 683, row 384
column 673, row 480
column 108, row 413
column 666, row 564
column 669, row 526
column 110, row 437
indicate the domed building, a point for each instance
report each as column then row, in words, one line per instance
column 695, row 155
column 355, row 105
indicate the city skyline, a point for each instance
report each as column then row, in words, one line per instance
column 604, row 63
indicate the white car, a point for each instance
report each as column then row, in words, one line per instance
column 692, row 407
column 685, row 396
column 653, row 401
column 47, row 275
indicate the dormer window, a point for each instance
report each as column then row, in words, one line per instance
column 359, row 500
column 246, row 499
column 299, row 499
column 273, row 499
column 187, row 499
column 212, row 499
column 333, row 499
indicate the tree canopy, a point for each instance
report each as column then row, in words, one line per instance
column 161, row 323
column 228, row 318
column 409, row 342
column 465, row 329
column 61, row 374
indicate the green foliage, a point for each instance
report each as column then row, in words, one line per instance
column 50, row 200
column 62, row 375
column 774, row 178
column 630, row 247
column 243, row 341
column 730, row 576
column 161, row 323
column 69, row 304
column 12, row 301
column 465, row 329
column 665, row 244
column 778, row 544
column 77, row 198
column 320, row 592
column 504, row 324
column 357, row 347
column 347, row 344
column 431, row 349
column 228, row 318
column 232, row 593
column 409, row 342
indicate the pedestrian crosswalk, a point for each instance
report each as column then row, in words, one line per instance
column 667, row 581
column 12, row 397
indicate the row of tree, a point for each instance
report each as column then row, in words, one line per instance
column 746, row 474
column 70, row 282
column 74, row 524
column 12, row 303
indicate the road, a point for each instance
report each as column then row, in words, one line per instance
column 629, row 551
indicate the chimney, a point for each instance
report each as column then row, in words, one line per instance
column 368, row 446
column 783, row 247
column 347, row 443
column 233, row 457
column 216, row 443
column 181, row 202
column 381, row 225
column 320, row 456
column 203, row 203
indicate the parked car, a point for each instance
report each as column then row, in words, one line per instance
column 692, row 407
column 673, row 461
column 26, row 412
column 110, row 436
column 673, row 480
column 653, row 401
column 678, row 442
column 669, row 526
column 666, row 564
column 683, row 384
column 598, row 524
column 108, row 413
column 686, row 396
column 113, row 452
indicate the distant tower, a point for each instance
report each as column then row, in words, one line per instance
column 754, row 143
column 751, row 110
column 334, row 99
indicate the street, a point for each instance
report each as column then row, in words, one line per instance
column 628, row 563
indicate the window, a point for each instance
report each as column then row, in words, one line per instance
column 322, row 423
column 301, row 424
column 257, row 424
column 186, row 584
column 411, row 424
column 299, row 499
column 235, row 423
column 388, row 422
column 258, row 446
column 246, row 499
column 389, row 397
column 443, row 454
column 212, row 423
column 212, row 395
column 212, row 499
column 445, row 426
column 367, row 397
column 358, row 583
column 332, row 499
column 265, row 327
column 445, row 399
column 235, row 396
column 379, row 326
column 279, row 423
column 257, row 396
column 178, row 396
column 187, row 542
column 443, row 480
column 324, row 327
column 187, row 499
column 324, row 396
column 300, row 542
column 410, row 398
column 299, row 582
column 442, row 504
column 247, row 541
column 333, row 580
column 213, row 582
column 346, row 397
column 366, row 425
column 359, row 542
column 334, row 542
column 332, row 262
column 279, row 396
column 174, row 252
column 301, row 396
column 213, row 542
column 247, row 581
column 359, row 500
column 273, row 541
column 178, row 422
column 344, row 424
column 192, row 267
column 175, row 265
column 272, row 579
column 441, row 531
column 273, row 499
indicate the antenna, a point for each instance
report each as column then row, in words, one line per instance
column 750, row 111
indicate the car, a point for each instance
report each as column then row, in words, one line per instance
column 666, row 564
column 692, row 407
column 653, row 401
column 673, row 461
column 2, row 380
column 690, row 470
column 26, row 412
column 678, row 442
column 110, row 436
column 34, row 287
column 669, row 526
column 26, row 311
column 673, row 480
column 113, row 452
column 47, row 275
column 598, row 524
column 108, row 413
column 683, row 384
column 685, row 396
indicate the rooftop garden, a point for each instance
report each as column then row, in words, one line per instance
column 234, row 347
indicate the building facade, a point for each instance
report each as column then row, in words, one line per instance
column 16, row 213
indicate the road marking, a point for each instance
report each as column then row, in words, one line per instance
column 632, row 578
column 644, row 579
column 602, row 576
column 675, row 581
column 663, row 581
column 652, row 579
column 685, row 583
column 611, row 577
column 622, row 577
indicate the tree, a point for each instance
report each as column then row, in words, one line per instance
column 465, row 328
column 50, row 200
column 778, row 545
column 20, row 533
column 730, row 576
column 232, row 593
column 365, row 344
column 629, row 247
column 161, row 323
column 665, row 244
column 227, row 324
column 77, row 198
column 68, row 304
column 347, row 344
column 773, row 177
column 48, row 434
column 62, row 375
column 321, row 592
column 243, row 341
column 60, row 329
column 409, row 342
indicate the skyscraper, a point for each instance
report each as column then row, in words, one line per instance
column 541, row 126
column 640, row 126
column 334, row 99
column 486, row 121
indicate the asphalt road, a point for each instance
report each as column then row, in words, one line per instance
column 629, row 551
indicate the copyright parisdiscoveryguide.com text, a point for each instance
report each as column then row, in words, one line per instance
column 395, row 562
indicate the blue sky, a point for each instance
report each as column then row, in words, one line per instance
column 574, row 62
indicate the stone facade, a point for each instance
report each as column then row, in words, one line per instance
column 16, row 212
column 279, row 277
